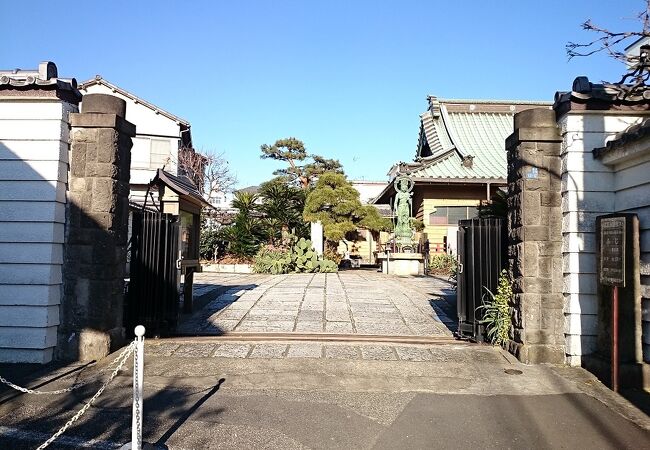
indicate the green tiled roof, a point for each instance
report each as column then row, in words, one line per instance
column 453, row 130
column 449, row 166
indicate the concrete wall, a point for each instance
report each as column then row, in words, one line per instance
column 589, row 189
column 34, row 147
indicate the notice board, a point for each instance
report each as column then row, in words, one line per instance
column 612, row 251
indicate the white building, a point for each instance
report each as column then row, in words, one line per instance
column 368, row 190
column 160, row 135
column 633, row 50
column 221, row 200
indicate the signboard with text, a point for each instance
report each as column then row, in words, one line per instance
column 612, row 251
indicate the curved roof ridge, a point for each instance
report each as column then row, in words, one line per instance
column 452, row 135
column 433, row 160
column 492, row 102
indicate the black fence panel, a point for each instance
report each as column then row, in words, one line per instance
column 481, row 257
column 152, row 297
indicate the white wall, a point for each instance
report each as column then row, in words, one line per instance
column 588, row 190
column 631, row 165
column 33, row 175
column 221, row 200
column 368, row 190
column 149, row 125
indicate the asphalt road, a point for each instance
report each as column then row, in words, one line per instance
column 464, row 401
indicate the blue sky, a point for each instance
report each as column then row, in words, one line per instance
column 349, row 78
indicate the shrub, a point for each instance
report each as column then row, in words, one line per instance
column 300, row 257
column 243, row 237
column 332, row 255
column 496, row 311
column 273, row 261
column 443, row 264
column 417, row 224
column 328, row 266
column 246, row 233
column 209, row 243
column 305, row 259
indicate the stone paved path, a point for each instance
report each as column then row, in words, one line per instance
column 351, row 302
column 317, row 350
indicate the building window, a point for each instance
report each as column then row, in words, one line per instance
column 160, row 153
column 450, row 215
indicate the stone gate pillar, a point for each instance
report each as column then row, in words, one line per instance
column 96, row 229
column 535, row 237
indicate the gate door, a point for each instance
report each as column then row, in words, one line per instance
column 481, row 257
column 152, row 298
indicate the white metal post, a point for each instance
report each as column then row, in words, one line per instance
column 138, row 380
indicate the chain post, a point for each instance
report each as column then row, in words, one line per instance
column 138, row 381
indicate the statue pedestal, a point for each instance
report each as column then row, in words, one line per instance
column 401, row 264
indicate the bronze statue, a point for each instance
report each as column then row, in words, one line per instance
column 402, row 210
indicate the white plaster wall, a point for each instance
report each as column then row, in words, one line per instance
column 317, row 237
column 33, row 176
column 368, row 190
column 588, row 190
column 149, row 125
column 632, row 188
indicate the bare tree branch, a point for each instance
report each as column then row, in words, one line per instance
column 634, row 81
column 609, row 40
column 210, row 171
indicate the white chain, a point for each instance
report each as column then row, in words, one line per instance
column 65, row 390
column 136, row 397
column 125, row 356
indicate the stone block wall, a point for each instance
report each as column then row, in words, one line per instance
column 535, row 237
column 97, row 229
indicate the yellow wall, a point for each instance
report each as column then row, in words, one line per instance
column 437, row 233
column 427, row 197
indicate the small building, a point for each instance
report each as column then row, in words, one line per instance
column 160, row 136
column 633, row 50
column 368, row 190
column 459, row 164
column 221, row 200
column 180, row 197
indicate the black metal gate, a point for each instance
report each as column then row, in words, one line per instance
column 152, row 298
column 481, row 257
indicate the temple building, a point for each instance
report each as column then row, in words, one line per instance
column 459, row 164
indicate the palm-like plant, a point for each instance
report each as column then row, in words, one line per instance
column 245, row 202
column 282, row 206
column 247, row 232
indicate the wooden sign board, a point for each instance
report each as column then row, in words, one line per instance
column 612, row 251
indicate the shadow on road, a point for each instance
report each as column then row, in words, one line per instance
column 161, row 443
column 443, row 304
